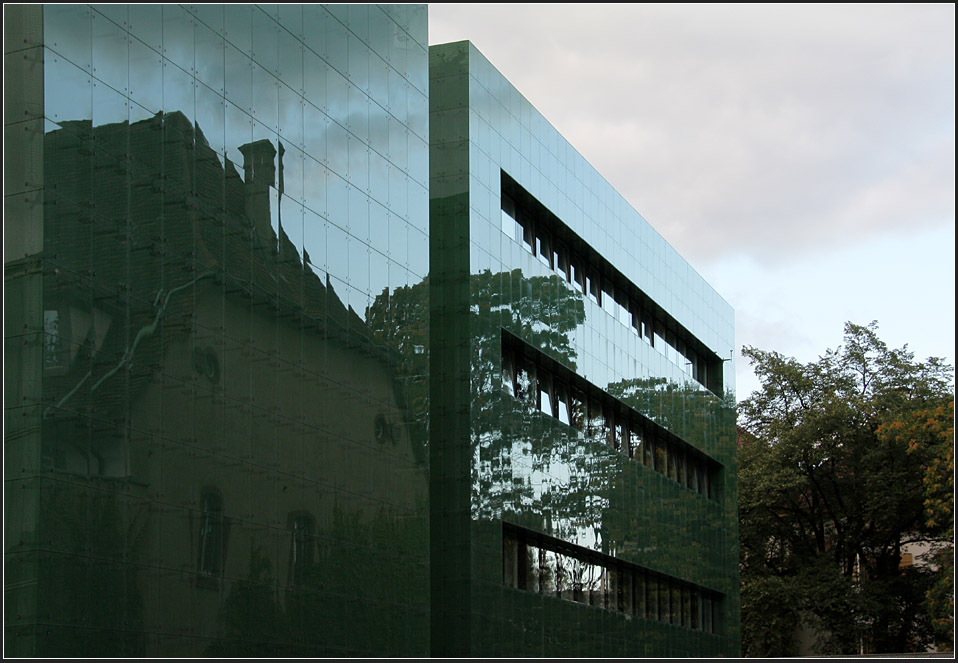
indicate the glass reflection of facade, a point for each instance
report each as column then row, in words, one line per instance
column 215, row 418
column 241, row 421
column 583, row 476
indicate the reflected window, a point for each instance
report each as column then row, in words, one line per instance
column 675, row 603
column 562, row 576
column 694, row 607
column 596, row 423
column 508, row 373
column 622, row 312
column 211, row 533
column 538, row 563
column 665, row 596
column 672, row 470
column 608, row 298
column 509, row 225
column 533, row 566
column 625, row 591
column 702, row 374
column 562, row 403
column 577, row 409
column 560, row 261
column 595, row 582
column 538, row 230
column 708, row 621
column 525, row 380
column 54, row 347
column 302, row 547
column 544, row 247
column 593, row 289
column 578, row 584
column 647, row 452
column 382, row 430
column 547, row 571
column 579, row 280
column 608, row 426
column 660, row 456
column 658, row 337
column 624, row 438
column 635, row 318
column 545, row 393
column 510, row 560
column 560, row 393
column 612, row 588
column 647, row 326
column 651, row 598
column 636, row 448
column 638, row 593
column 523, row 566
column 528, row 240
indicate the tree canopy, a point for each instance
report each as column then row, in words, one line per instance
column 844, row 462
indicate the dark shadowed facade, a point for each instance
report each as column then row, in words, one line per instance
column 284, row 378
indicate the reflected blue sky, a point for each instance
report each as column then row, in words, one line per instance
column 798, row 307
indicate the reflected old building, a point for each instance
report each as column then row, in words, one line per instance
column 321, row 342
column 211, row 453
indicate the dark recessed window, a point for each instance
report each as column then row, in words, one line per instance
column 535, row 562
column 562, row 403
column 527, row 221
column 508, row 373
column 557, row 392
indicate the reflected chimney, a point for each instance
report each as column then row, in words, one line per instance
column 259, row 167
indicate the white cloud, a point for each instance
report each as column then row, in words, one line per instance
column 779, row 127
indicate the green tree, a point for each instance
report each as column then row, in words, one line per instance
column 934, row 429
column 828, row 498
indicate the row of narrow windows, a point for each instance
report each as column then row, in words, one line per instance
column 530, row 377
column 537, row 563
column 536, row 230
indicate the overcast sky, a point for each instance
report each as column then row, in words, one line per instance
column 800, row 157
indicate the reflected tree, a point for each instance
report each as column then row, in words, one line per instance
column 361, row 594
column 399, row 320
column 94, row 596
column 254, row 622
column 542, row 310
column 705, row 421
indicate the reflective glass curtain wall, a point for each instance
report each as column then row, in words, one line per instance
column 218, row 355
column 216, row 236
column 585, row 470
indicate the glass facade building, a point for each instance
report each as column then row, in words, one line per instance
column 320, row 342
column 593, row 510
